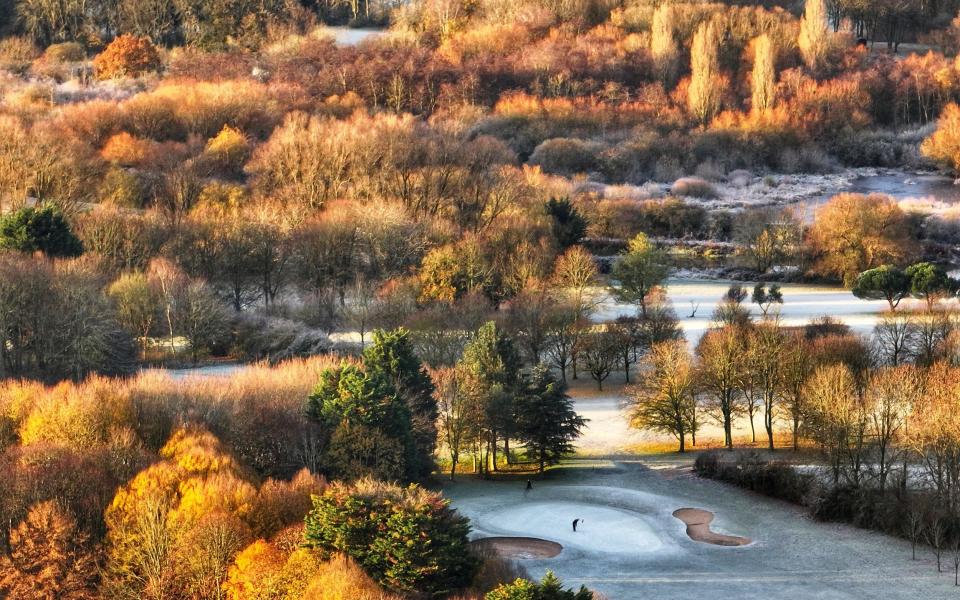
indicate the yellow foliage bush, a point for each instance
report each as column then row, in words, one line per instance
column 271, row 571
column 205, row 107
column 253, row 574
column 484, row 39
column 341, row 578
column 126, row 150
column 944, row 145
column 219, row 492
column 218, row 198
column 77, row 415
column 226, row 153
column 198, row 452
column 65, row 52
column 230, row 142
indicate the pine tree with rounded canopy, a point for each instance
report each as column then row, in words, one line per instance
column 929, row 282
column 886, row 282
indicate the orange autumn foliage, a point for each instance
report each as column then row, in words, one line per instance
column 126, row 56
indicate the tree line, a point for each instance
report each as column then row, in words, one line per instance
column 261, row 484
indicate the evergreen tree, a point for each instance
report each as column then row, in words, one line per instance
column 886, row 282
column 549, row 588
column 391, row 357
column 349, row 396
column 39, row 230
column 546, row 423
column 928, row 282
column 491, row 368
column 568, row 225
column 407, row 539
column 765, row 297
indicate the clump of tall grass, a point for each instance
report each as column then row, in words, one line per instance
column 256, row 411
column 695, row 187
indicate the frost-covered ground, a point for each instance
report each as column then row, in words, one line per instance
column 629, row 545
column 804, row 191
column 351, row 36
column 608, row 432
column 801, row 304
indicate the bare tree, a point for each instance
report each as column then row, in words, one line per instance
column 888, row 398
column 664, row 398
column 914, row 525
column 937, row 531
column 836, row 417
column 599, row 351
column 797, row 366
column 894, row 336
column 454, row 413
column 721, row 351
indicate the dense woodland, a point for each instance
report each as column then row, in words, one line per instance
column 414, row 235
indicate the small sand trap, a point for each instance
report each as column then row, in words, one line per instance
column 523, row 548
column 698, row 528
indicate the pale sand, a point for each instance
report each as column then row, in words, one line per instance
column 523, row 548
column 698, row 528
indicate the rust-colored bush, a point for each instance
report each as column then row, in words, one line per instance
column 127, row 56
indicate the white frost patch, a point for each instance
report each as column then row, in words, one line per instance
column 602, row 529
column 608, row 428
column 695, row 301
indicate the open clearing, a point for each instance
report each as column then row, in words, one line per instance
column 632, row 547
column 801, row 304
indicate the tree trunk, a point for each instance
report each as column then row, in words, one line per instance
column 727, row 429
column 768, row 425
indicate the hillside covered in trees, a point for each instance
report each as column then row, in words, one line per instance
column 414, row 236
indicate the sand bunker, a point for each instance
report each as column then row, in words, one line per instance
column 523, row 548
column 698, row 528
